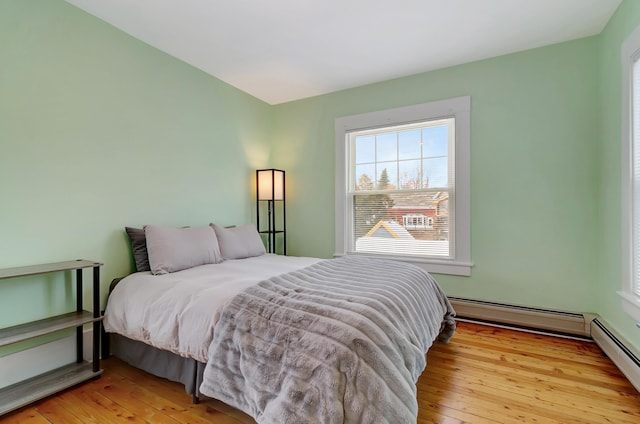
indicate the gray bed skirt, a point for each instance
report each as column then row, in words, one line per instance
column 159, row 362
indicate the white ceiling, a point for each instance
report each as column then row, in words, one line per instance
column 283, row 50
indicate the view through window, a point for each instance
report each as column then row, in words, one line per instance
column 401, row 182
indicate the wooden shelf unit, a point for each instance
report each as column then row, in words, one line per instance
column 27, row 391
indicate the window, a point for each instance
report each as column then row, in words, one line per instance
column 630, row 292
column 412, row 221
column 402, row 185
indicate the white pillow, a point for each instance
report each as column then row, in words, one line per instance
column 239, row 242
column 175, row 249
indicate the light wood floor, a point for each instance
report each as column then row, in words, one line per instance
column 484, row 375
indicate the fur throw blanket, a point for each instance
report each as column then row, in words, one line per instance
column 341, row 341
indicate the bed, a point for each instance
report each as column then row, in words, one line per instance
column 284, row 339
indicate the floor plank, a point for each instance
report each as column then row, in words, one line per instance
column 484, row 375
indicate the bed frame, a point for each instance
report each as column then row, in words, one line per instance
column 161, row 363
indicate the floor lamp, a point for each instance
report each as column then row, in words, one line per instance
column 270, row 188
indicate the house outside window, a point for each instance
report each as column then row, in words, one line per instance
column 630, row 292
column 417, row 222
column 402, row 185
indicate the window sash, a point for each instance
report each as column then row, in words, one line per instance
column 378, row 229
column 404, row 231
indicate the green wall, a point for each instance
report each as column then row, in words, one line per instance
column 98, row 131
column 534, row 148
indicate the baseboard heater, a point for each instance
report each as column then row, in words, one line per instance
column 523, row 317
column 618, row 350
column 558, row 323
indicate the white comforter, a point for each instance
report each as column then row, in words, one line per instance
column 178, row 311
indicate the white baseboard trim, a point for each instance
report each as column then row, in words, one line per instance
column 541, row 320
column 30, row 362
column 620, row 351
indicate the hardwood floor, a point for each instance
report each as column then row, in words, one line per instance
column 484, row 375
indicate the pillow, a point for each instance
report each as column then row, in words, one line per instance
column 239, row 242
column 175, row 249
column 139, row 248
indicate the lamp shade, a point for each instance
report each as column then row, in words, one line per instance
column 270, row 184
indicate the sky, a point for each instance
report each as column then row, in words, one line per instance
column 409, row 156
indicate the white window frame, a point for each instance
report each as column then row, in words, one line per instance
column 460, row 109
column 630, row 54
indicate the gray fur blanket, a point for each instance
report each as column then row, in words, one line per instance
column 341, row 341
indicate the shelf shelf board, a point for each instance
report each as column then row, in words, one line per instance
column 23, row 271
column 41, row 327
column 41, row 386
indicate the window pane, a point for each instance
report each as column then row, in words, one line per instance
column 435, row 141
column 415, row 224
column 387, row 147
column 387, row 178
column 368, row 211
column 410, row 144
column 410, row 174
column 365, row 177
column 365, row 149
column 435, row 172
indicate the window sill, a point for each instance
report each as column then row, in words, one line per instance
column 631, row 305
column 432, row 266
